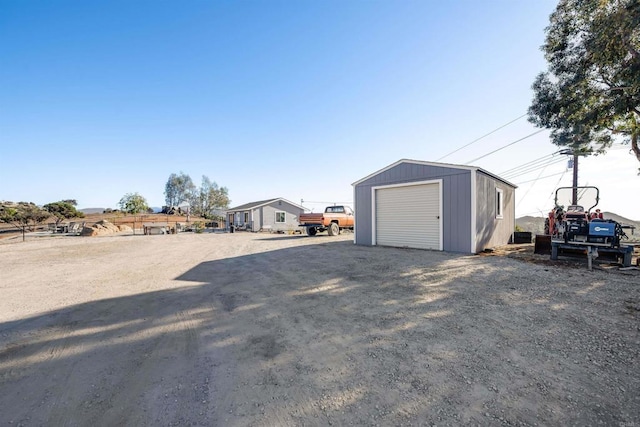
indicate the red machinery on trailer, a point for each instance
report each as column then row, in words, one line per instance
column 575, row 228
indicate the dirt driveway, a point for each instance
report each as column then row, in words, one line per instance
column 242, row 329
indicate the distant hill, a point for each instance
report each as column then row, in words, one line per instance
column 531, row 223
column 89, row 211
column 620, row 219
column 536, row 224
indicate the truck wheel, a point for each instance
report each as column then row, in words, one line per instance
column 311, row 231
column 334, row 230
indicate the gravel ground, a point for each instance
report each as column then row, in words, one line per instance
column 256, row 329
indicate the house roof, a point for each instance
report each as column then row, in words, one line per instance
column 253, row 205
column 446, row 165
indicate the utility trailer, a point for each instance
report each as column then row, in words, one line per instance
column 576, row 230
column 623, row 253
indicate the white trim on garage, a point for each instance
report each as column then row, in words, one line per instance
column 499, row 203
column 355, row 230
column 438, row 182
column 474, row 208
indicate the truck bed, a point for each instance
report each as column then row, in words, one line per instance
column 310, row 218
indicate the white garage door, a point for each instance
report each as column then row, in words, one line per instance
column 408, row 216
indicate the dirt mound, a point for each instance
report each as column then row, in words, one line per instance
column 103, row 228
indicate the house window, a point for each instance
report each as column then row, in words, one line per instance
column 499, row 203
column 246, row 217
column 280, row 217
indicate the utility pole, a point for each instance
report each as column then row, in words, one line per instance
column 574, row 189
column 574, row 194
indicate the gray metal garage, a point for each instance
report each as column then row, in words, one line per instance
column 427, row 205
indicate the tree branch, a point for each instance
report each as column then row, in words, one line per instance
column 634, row 146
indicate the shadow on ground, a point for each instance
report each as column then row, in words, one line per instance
column 335, row 333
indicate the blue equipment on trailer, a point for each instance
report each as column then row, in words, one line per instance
column 576, row 229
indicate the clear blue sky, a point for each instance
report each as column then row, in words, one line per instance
column 271, row 98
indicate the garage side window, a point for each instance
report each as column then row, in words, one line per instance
column 499, row 203
column 280, row 217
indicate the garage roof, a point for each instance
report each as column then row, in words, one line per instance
column 446, row 165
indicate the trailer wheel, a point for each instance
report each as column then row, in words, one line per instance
column 311, row 231
column 334, row 230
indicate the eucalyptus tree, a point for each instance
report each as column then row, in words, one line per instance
column 178, row 189
column 209, row 199
column 591, row 91
column 133, row 203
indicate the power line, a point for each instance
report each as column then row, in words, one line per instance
column 483, row 136
column 542, row 162
column 529, row 168
column 556, row 186
column 550, row 194
column 529, row 189
column 539, row 177
column 533, row 168
column 538, row 160
column 503, row 147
